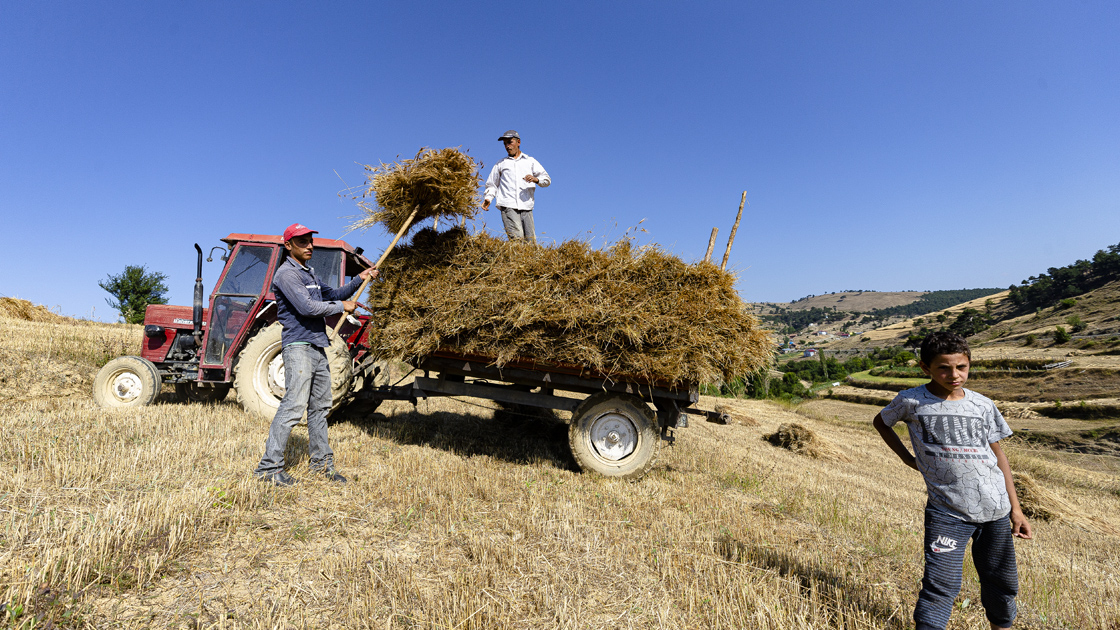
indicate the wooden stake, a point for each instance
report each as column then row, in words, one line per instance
column 734, row 228
column 711, row 245
column 365, row 283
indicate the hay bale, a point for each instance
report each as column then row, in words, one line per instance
column 735, row 415
column 1036, row 501
column 801, row 440
column 440, row 183
column 1042, row 504
column 16, row 308
column 622, row 311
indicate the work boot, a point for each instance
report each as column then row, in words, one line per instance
column 332, row 475
column 280, row 478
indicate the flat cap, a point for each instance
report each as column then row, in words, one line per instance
column 509, row 134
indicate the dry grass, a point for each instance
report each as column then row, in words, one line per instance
column 620, row 311
column 457, row 519
column 16, row 308
column 1038, row 502
column 43, row 354
column 436, row 183
column 801, row 440
column 735, row 413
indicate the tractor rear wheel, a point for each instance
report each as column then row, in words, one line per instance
column 202, row 392
column 258, row 376
column 127, row 382
column 614, row 435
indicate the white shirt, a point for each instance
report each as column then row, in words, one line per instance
column 507, row 182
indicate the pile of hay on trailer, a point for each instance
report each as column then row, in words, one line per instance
column 435, row 183
column 625, row 310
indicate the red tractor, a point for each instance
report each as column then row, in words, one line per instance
column 617, row 421
column 236, row 342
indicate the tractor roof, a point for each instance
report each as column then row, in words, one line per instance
column 276, row 239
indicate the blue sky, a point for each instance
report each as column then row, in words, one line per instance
column 883, row 145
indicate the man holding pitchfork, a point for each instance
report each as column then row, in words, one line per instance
column 302, row 301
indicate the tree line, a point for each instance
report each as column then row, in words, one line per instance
column 932, row 302
column 1058, row 283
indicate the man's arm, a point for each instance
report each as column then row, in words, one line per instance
column 895, row 444
column 345, row 291
column 538, row 175
column 297, row 295
column 491, row 188
column 1019, row 525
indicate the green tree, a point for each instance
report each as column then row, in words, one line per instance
column 133, row 290
column 1075, row 323
column 1060, row 335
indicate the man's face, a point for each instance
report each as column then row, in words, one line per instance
column 513, row 146
column 300, row 248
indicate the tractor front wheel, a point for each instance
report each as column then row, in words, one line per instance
column 127, row 382
column 258, row 376
column 202, row 392
column 614, row 435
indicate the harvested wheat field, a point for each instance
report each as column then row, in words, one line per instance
column 457, row 517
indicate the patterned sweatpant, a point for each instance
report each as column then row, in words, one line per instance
column 993, row 553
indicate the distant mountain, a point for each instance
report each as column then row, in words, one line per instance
column 873, row 306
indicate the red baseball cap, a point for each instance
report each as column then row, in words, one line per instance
column 297, row 229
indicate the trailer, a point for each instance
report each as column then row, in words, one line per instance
column 617, row 421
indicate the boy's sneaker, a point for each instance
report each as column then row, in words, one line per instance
column 280, row 478
column 332, row 475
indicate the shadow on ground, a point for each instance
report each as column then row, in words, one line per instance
column 512, row 433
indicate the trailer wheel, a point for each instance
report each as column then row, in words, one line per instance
column 202, row 392
column 614, row 435
column 258, row 376
column 127, row 382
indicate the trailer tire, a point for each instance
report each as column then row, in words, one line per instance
column 258, row 375
column 127, row 382
column 614, row 435
column 202, row 392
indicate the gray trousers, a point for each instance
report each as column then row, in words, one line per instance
column 518, row 224
column 307, row 382
column 993, row 553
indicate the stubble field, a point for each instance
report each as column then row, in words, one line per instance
column 458, row 517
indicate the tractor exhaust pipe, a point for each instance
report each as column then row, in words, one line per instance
column 198, row 299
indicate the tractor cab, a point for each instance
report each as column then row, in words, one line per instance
column 242, row 300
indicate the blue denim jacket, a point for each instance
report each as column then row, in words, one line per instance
column 302, row 301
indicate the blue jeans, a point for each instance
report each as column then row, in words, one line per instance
column 307, row 383
column 993, row 553
column 518, row 224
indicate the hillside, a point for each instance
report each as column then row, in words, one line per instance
column 851, row 301
column 862, row 309
column 1098, row 311
column 459, row 515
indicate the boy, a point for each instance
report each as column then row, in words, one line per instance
column 955, row 433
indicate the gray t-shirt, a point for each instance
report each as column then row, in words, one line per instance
column 950, row 440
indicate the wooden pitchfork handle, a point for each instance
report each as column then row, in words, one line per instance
column 365, row 283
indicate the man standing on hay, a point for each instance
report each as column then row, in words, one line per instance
column 302, row 301
column 513, row 181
